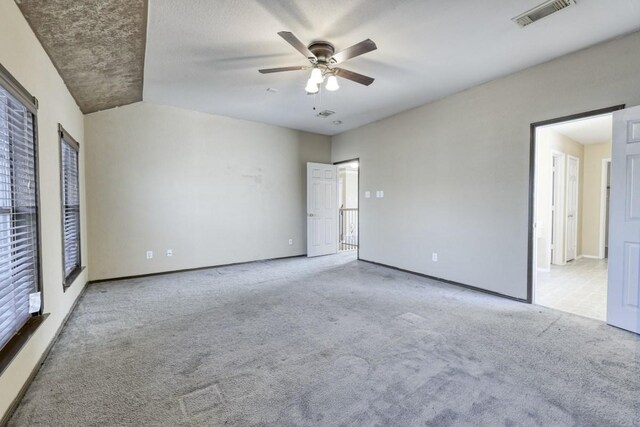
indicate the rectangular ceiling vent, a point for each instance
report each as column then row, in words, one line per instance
column 542, row 11
column 326, row 113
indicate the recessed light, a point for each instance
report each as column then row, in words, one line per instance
column 272, row 90
column 337, row 122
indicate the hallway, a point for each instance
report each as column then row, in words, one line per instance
column 579, row 287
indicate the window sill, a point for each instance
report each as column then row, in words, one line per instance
column 13, row 347
column 70, row 279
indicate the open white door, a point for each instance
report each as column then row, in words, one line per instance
column 322, row 209
column 571, row 243
column 623, row 306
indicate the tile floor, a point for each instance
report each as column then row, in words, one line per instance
column 579, row 287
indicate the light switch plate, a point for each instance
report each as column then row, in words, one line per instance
column 367, row 194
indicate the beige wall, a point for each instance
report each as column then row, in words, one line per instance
column 550, row 141
column 25, row 59
column 215, row 190
column 456, row 172
column 591, row 200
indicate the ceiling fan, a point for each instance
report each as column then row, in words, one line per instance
column 322, row 56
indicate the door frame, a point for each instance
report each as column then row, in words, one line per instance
column 566, row 209
column 341, row 162
column 606, row 166
column 531, row 267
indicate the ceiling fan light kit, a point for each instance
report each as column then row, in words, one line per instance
column 312, row 87
column 332, row 83
column 316, row 76
column 322, row 56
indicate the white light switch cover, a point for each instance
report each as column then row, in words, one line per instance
column 367, row 194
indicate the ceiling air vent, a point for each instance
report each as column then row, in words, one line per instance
column 326, row 113
column 542, row 11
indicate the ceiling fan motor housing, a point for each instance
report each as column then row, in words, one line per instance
column 322, row 50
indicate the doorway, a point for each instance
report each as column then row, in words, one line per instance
column 348, row 205
column 568, row 264
column 605, row 200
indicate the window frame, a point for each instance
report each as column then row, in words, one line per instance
column 30, row 102
column 65, row 138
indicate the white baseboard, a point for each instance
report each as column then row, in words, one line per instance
column 590, row 257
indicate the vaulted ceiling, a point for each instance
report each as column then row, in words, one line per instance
column 98, row 47
column 204, row 55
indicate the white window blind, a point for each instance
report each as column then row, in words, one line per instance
column 71, row 206
column 18, row 215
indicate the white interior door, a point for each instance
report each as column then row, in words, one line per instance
column 322, row 209
column 623, row 300
column 571, row 244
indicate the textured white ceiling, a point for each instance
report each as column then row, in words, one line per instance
column 593, row 130
column 204, row 55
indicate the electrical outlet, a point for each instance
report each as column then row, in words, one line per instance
column 169, row 252
column 434, row 257
column 149, row 254
column 290, row 241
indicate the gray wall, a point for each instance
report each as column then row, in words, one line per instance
column 456, row 172
column 215, row 190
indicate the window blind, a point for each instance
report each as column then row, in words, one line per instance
column 19, row 275
column 71, row 205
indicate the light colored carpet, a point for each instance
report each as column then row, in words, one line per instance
column 327, row 341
